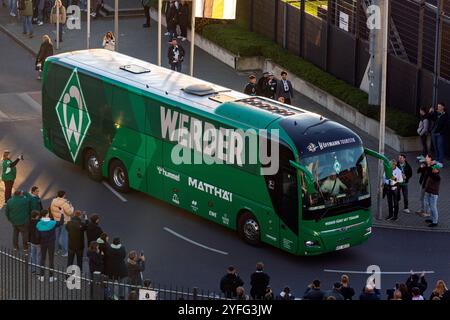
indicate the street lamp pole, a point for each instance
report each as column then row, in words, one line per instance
column 384, row 4
column 88, row 36
column 194, row 7
column 116, row 23
column 160, row 2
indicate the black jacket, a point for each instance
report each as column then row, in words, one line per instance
column 134, row 272
column 33, row 235
column 347, row 292
column 45, row 51
column 229, row 283
column 95, row 262
column 172, row 15
column 407, row 170
column 115, row 266
column 251, row 89
column 262, row 86
column 433, row 183
column 313, row 294
column 259, row 282
column 271, row 89
column 424, row 173
column 171, row 54
column 416, row 281
column 183, row 15
column 93, row 232
column 75, row 230
column 440, row 122
column 369, row 296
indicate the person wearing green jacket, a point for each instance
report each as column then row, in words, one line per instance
column 27, row 14
column 18, row 210
column 35, row 200
column 9, row 173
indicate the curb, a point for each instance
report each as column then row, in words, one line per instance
column 410, row 228
column 17, row 40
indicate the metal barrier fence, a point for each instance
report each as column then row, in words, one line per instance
column 21, row 280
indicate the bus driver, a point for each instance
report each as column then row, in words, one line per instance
column 333, row 185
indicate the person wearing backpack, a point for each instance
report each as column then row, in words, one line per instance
column 26, row 11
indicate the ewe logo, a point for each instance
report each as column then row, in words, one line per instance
column 73, row 115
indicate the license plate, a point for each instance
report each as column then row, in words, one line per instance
column 344, row 246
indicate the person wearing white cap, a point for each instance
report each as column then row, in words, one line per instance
column 9, row 173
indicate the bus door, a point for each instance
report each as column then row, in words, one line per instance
column 289, row 213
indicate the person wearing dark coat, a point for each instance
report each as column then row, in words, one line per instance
column 183, row 19
column 103, row 243
column 406, row 170
column 135, row 266
column 251, row 88
column 417, row 281
column 175, row 54
column 46, row 228
column 34, row 241
column 95, row 258
column 262, row 84
column 230, row 282
column 45, row 51
column 439, row 129
column 259, row 280
column 172, row 19
column 284, row 89
column 75, row 230
column 313, row 292
column 93, row 231
column 115, row 266
column 271, row 89
column 370, row 293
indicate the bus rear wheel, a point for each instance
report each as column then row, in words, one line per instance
column 92, row 165
column 249, row 229
column 118, row 176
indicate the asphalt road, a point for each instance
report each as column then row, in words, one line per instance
column 141, row 222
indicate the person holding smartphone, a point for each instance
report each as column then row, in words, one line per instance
column 9, row 173
column 135, row 266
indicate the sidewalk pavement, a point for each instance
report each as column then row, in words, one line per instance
column 141, row 43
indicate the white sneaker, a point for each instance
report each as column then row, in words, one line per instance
column 167, row 33
column 12, row 14
column 65, row 255
column 40, row 23
column 52, row 279
column 41, row 278
column 183, row 39
column 406, row 211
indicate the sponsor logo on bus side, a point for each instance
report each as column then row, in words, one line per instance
column 209, row 188
column 168, row 174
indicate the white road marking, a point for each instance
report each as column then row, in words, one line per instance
column 381, row 272
column 30, row 101
column 118, row 195
column 194, row 242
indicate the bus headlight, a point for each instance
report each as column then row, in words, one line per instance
column 310, row 244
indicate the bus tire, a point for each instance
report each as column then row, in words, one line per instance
column 92, row 165
column 118, row 176
column 249, row 229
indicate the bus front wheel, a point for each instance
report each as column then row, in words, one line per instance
column 249, row 229
column 118, row 176
column 92, row 165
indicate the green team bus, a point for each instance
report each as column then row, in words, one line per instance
column 119, row 118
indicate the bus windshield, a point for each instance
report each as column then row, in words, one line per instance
column 340, row 179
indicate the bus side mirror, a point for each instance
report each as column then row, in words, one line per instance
column 386, row 163
column 307, row 175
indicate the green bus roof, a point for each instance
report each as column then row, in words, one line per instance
column 249, row 112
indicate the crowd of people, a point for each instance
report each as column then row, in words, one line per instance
column 232, row 287
column 270, row 87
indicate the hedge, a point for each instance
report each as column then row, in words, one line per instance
column 242, row 42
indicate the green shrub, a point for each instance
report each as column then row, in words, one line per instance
column 244, row 43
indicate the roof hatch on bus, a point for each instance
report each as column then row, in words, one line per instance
column 133, row 68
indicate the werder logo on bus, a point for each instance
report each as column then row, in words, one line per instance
column 219, row 145
column 73, row 115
